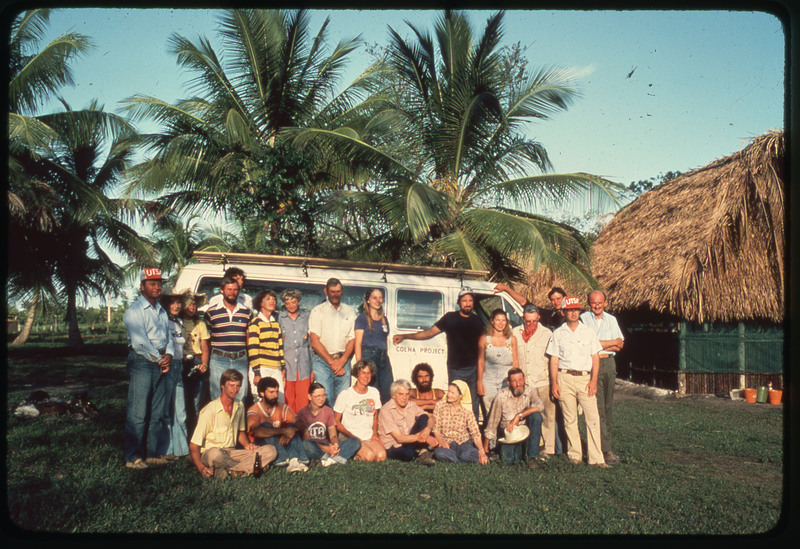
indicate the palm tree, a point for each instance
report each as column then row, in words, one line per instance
column 84, row 162
column 455, row 166
column 222, row 148
column 35, row 75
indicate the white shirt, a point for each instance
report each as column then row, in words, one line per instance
column 358, row 411
column 574, row 350
column 531, row 354
column 606, row 327
column 334, row 326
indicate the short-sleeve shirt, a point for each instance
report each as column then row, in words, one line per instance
column 194, row 330
column 333, row 326
column 606, row 327
column 463, row 334
column 316, row 425
column 393, row 418
column 574, row 349
column 215, row 428
column 376, row 337
column 358, row 411
column 280, row 416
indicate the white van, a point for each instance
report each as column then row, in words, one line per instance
column 414, row 297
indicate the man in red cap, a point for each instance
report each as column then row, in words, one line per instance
column 574, row 363
column 150, row 351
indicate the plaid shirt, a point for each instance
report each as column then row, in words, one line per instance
column 454, row 423
column 506, row 406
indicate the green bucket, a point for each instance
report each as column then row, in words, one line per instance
column 761, row 394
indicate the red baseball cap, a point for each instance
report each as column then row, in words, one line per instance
column 150, row 273
column 572, row 302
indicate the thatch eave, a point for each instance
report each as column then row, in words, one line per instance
column 706, row 246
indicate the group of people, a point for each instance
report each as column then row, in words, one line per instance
column 246, row 385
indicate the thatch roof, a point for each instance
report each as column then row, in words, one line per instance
column 706, row 246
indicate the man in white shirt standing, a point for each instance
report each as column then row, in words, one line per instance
column 332, row 336
column 574, row 363
column 611, row 339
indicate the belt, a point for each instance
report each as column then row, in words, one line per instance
column 575, row 372
column 604, row 355
column 160, row 351
column 228, row 355
column 334, row 356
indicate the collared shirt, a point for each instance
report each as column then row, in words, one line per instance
column 505, row 406
column 531, row 355
column 215, row 428
column 228, row 329
column 148, row 329
column 454, row 423
column 393, row 418
column 296, row 345
column 334, row 326
column 574, row 349
column 176, row 327
column 264, row 344
column 606, row 327
column 244, row 299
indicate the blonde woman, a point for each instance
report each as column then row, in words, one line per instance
column 497, row 353
column 371, row 333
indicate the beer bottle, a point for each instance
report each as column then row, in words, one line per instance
column 257, row 465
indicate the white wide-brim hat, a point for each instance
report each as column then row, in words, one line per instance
column 519, row 434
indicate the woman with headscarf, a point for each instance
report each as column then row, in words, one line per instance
column 455, row 428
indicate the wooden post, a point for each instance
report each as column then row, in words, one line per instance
column 742, row 356
column 682, row 329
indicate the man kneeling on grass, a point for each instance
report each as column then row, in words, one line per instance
column 220, row 426
column 517, row 404
column 403, row 426
column 272, row 423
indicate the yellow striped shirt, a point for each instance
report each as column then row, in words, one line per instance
column 264, row 345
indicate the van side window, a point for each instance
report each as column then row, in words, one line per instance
column 418, row 309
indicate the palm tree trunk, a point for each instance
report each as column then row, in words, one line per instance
column 26, row 330
column 74, row 340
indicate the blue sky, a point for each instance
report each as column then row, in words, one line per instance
column 703, row 81
column 661, row 90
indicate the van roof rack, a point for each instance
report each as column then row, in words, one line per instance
column 306, row 262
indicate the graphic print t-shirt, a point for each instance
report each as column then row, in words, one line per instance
column 358, row 411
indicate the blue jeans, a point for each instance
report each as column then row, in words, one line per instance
column 178, row 444
column 470, row 376
column 196, row 390
column 146, row 427
column 294, row 449
column 465, row 452
column 408, row 451
column 219, row 364
column 347, row 448
column 333, row 384
column 383, row 371
column 512, row 453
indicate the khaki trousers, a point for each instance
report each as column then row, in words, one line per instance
column 573, row 391
column 548, row 420
column 232, row 459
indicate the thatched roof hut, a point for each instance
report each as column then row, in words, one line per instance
column 706, row 246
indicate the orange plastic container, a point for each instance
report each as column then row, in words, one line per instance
column 750, row 395
column 775, row 396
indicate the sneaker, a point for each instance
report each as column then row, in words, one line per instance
column 219, row 472
column 532, row 464
column 156, row 461
column 542, row 457
column 138, row 464
column 295, row 466
column 327, row 461
column 426, row 458
column 611, row 457
column 283, row 463
column 171, row 457
column 339, row 460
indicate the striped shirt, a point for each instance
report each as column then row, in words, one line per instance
column 228, row 330
column 264, row 344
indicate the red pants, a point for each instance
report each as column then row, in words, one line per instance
column 296, row 393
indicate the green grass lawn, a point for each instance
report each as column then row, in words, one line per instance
column 691, row 466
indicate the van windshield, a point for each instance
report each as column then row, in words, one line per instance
column 486, row 303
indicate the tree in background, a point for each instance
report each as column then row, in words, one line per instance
column 450, row 163
column 223, row 149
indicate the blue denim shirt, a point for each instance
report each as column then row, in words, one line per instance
column 296, row 345
column 148, row 329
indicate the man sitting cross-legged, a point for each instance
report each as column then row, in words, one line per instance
column 220, row 426
column 403, row 426
column 272, row 423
